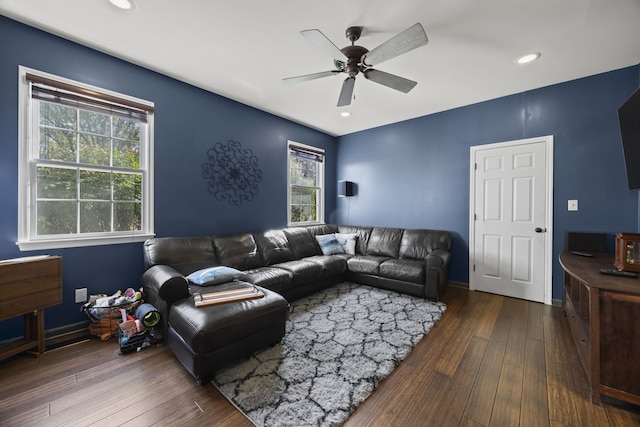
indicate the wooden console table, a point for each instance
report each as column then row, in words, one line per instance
column 28, row 285
column 604, row 316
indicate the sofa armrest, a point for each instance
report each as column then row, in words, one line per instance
column 438, row 259
column 437, row 274
column 165, row 282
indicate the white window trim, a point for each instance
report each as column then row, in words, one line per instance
column 27, row 242
column 322, row 187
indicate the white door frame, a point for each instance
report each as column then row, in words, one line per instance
column 548, row 236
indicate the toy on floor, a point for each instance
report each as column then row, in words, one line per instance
column 103, row 311
column 136, row 334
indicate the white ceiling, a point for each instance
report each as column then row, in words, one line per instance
column 242, row 49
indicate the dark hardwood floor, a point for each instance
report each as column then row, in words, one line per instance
column 490, row 361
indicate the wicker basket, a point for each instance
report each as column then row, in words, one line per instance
column 103, row 321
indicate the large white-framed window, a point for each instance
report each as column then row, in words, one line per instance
column 305, row 172
column 85, row 171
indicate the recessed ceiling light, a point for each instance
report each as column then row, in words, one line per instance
column 525, row 59
column 124, row 4
column 345, row 114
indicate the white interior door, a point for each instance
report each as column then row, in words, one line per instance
column 511, row 214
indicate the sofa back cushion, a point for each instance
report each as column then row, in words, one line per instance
column 301, row 242
column 315, row 230
column 273, row 246
column 185, row 254
column 417, row 244
column 384, row 242
column 363, row 234
column 238, row 251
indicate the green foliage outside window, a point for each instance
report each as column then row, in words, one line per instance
column 88, row 178
column 304, row 176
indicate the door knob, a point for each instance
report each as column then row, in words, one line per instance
column 541, row 230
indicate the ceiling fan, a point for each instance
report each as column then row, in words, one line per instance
column 357, row 59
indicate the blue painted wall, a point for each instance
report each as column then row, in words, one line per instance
column 416, row 173
column 188, row 121
column 409, row 174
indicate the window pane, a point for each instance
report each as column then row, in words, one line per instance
column 56, row 144
column 95, row 185
column 57, row 116
column 95, row 217
column 303, row 171
column 56, row 183
column 302, row 213
column 85, row 164
column 127, row 187
column 127, row 216
column 96, row 123
column 126, row 129
column 126, row 154
column 303, row 204
column 95, row 150
column 56, row 217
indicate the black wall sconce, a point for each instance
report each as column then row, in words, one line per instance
column 345, row 188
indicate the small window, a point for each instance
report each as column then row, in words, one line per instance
column 306, row 184
column 85, row 164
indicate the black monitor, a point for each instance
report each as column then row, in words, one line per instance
column 629, row 118
column 587, row 242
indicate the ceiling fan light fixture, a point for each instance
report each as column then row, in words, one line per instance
column 530, row 57
column 123, row 4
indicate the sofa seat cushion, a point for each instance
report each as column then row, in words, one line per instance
column 303, row 271
column 407, row 270
column 331, row 265
column 366, row 264
column 209, row 328
column 276, row 279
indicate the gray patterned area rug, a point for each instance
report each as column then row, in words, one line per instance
column 339, row 344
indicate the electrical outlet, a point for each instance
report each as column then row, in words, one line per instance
column 81, row 295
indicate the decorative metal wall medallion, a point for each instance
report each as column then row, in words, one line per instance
column 232, row 172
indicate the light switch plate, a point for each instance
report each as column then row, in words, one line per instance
column 572, row 205
column 81, row 295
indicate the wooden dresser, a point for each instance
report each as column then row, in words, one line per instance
column 604, row 316
column 27, row 286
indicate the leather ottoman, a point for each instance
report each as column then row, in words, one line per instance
column 208, row 338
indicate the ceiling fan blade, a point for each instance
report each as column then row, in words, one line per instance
column 308, row 77
column 390, row 80
column 316, row 36
column 347, row 91
column 411, row 38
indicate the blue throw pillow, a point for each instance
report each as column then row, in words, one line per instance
column 348, row 242
column 213, row 276
column 329, row 244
